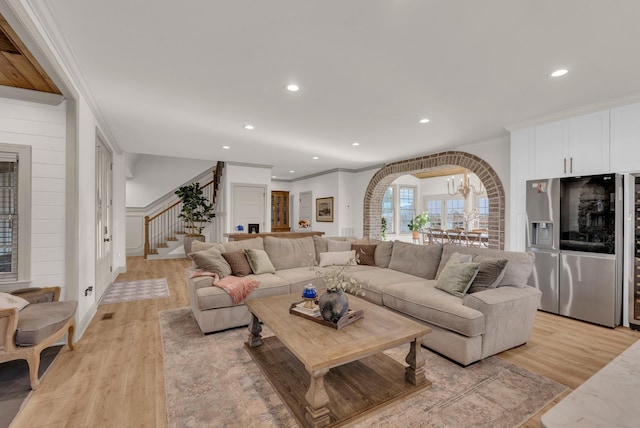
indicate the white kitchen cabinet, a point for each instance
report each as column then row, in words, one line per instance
column 625, row 138
column 576, row 146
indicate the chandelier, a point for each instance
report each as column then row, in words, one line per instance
column 464, row 188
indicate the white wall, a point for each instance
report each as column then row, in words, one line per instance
column 43, row 128
column 154, row 176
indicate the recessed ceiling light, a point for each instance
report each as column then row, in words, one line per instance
column 425, row 120
column 355, row 144
column 292, row 171
column 226, row 147
column 292, row 87
column 249, row 127
column 273, row 176
column 559, row 73
column 316, row 158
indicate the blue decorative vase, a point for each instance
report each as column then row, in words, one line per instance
column 333, row 305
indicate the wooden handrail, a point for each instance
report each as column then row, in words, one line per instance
column 168, row 225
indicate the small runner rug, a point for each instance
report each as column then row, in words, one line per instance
column 211, row 380
column 136, row 290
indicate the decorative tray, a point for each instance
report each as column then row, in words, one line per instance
column 348, row 318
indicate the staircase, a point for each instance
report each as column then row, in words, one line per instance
column 164, row 231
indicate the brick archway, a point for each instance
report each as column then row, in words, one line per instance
column 387, row 174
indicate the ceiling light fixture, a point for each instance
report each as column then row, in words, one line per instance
column 226, row 147
column 425, row 120
column 559, row 73
column 316, row 158
column 249, row 127
column 292, row 171
column 355, row 144
column 464, row 188
column 292, row 87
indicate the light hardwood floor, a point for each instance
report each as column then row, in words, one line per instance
column 114, row 377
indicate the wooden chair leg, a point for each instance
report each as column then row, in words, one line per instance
column 33, row 361
column 72, row 330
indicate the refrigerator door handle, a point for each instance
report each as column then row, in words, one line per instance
column 571, row 165
column 565, row 165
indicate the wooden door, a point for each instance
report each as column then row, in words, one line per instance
column 280, row 211
column 305, row 211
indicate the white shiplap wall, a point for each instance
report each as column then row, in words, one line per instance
column 43, row 128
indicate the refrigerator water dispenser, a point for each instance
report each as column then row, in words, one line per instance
column 542, row 234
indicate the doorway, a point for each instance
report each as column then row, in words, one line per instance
column 103, row 217
column 305, row 210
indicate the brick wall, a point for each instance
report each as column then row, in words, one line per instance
column 387, row 174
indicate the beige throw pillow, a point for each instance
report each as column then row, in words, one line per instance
column 8, row 301
column 339, row 258
column 259, row 261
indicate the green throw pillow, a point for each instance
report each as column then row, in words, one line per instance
column 259, row 261
column 456, row 277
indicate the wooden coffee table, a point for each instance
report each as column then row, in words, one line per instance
column 320, row 348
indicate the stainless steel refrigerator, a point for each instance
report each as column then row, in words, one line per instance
column 574, row 227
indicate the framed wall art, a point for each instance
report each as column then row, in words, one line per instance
column 324, row 209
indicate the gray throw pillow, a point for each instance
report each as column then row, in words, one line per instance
column 490, row 273
column 456, row 277
column 211, row 260
column 259, row 261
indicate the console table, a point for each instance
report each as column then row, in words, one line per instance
column 242, row 236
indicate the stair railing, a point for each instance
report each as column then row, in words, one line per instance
column 165, row 225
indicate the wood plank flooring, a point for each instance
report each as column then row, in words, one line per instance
column 114, row 377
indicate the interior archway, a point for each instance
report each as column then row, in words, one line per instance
column 387, row 174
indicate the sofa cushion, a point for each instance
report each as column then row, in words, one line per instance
column 287, row 253
column 373, row 280
column 423, row 301
column 259, row 261
column 299, row 275
column 238, row 262
column 456, row 277
column 365, row 253
column 384, row 250
column 418, row 260
column 490, row 273
column 38, row 322
column 333, row 246
column 215, row 297
column 338, row 258
column 519, row 264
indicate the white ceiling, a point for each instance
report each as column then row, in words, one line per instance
column 182, row 78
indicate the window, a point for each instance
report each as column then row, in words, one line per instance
column 455, row 214
column 434, row 209
column 388, row 209
column 407, row 207
column 15, row 200
column 483, row 213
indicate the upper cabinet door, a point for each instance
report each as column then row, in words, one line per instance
column 625, row 138
column 588, row 150
column 551, row 140
column 576, row 146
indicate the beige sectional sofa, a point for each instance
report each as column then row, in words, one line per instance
column 403, row 278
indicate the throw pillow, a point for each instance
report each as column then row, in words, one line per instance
column 259, row 261
column 334, row 246
column 338, row 258
column 8, row 301
column 456, row 277
column 211, row 260
column 461, row 258
column 365, row 254
column 416, row 260
column 238, row 262
column 490, row 273
column 383, row 254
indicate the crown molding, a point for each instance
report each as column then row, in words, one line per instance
column 38, row 20
column 585, row 109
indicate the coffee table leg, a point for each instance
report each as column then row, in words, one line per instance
column 414, row 374
column 317, row 413
column 255, row 339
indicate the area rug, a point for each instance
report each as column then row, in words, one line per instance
column 135, row 290
column 211, row 380
column 15, row 386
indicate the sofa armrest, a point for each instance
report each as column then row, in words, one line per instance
column 509, row 314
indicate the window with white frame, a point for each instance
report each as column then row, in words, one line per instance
column 407, row 204
column 15, row 201
column 399, row 207
column 483, row 213
column 448, row 212
column 434, row 209
column 455, row 213
column 388, row 209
